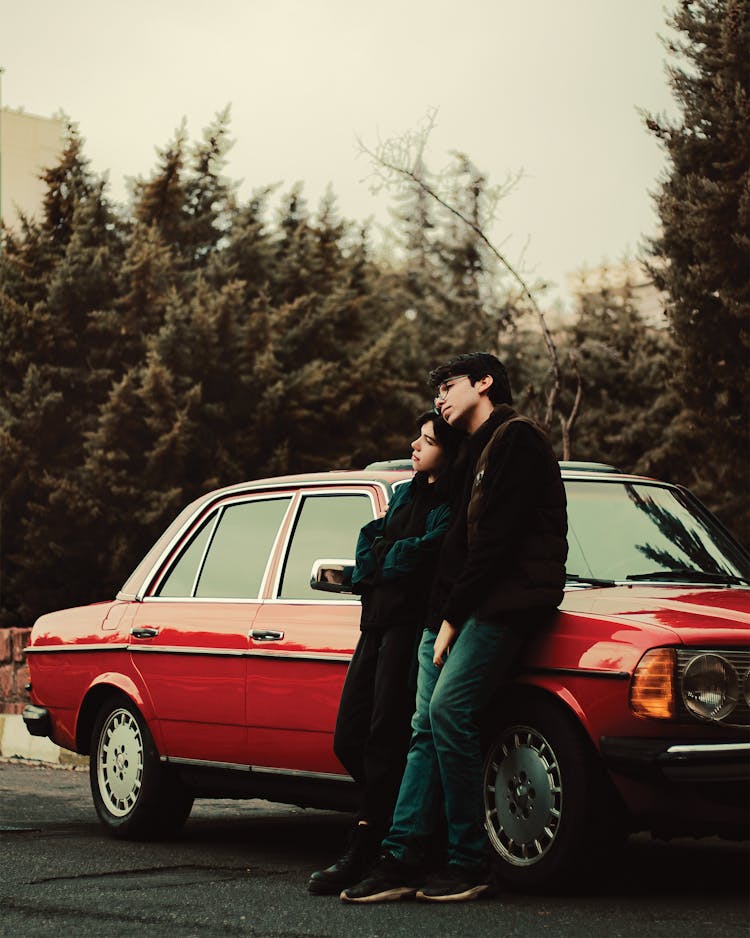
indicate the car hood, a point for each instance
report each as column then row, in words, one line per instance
column 609, row 629
column 692, row 614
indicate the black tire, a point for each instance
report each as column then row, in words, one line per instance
column 135, row 796
column 548, row 812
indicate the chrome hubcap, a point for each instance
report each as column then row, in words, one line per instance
column 522, row 796
column 120, row 762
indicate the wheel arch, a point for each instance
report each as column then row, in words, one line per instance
column 107, row 685
column 549, row 691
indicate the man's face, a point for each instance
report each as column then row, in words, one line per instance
column 457, row 399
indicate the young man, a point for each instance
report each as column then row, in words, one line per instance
column 500, row 574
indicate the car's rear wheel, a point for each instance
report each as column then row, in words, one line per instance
column 134, row 795
column 544, row 798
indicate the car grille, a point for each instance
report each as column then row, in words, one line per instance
column 740, row 661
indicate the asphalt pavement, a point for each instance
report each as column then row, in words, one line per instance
column 241, row 868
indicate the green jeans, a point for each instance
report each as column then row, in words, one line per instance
column 445, row 759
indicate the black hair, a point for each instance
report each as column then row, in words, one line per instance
column 449, row 439
column 476, row 365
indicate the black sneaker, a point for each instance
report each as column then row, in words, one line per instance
column 457, row 884
column 388, row 880
column 350, row 867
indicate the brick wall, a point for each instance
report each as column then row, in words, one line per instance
column 14, row 673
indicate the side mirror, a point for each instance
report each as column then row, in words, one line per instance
column 329, row 576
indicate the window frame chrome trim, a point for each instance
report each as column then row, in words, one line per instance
column 250, row 491
column 220, row 508
column 360, row 488
column 209, row 542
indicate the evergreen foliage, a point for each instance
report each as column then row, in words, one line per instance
column 191, row 341
column 702, row 257
column 625, row 366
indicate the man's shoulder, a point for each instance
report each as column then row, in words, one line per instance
column 521, row 447
column 518, row 428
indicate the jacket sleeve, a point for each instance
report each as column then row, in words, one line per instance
column 367, row 561
column 406, row 554
column 511, row 480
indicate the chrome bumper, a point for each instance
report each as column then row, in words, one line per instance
column 37, row 720
column 705, row 762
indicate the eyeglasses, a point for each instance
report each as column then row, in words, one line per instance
column 442, row 389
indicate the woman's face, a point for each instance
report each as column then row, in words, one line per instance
column 426, row 453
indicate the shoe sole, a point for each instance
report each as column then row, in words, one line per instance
column 388, row 895
column 474, row 893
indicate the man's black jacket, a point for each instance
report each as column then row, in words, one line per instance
column 515, row 558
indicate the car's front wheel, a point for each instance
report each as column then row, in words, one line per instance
column 544, row 798
column 134, row 795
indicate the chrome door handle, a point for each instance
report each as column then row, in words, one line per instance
column 144, row 631
column 266, row 635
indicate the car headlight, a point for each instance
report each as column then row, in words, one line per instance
column 710, row 687
column 652, row 690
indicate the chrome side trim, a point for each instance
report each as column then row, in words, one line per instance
column 333, row 657
column 181, row 650
column 713, row 748
column 299, row 773
column 235, row 766
column 43, row 649
column 266, row 770
column 581, row 672
column 330, row 656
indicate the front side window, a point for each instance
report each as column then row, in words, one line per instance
column 327, row 526
column 227, row 556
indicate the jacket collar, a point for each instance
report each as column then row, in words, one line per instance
column 500, row 414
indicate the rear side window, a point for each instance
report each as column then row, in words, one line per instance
column 181, row 579
column 327, row 526
column 227, row 556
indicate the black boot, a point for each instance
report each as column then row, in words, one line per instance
column 350, row 867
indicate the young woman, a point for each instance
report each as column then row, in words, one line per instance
column 395, row 563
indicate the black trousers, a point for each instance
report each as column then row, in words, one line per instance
column 373, row 726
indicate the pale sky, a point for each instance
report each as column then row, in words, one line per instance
column 547, row 87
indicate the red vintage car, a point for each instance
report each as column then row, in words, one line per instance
column 217, row 670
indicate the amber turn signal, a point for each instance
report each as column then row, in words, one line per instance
column 652, row 691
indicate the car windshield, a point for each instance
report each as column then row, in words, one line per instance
column 646, row 532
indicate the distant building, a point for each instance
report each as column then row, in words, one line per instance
column 28, row 145
column 617, row 279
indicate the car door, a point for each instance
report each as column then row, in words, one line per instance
column 189, row 637
column 302, row 639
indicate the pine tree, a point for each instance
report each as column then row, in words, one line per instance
column 188, row 198
column 625, row 365
column 702, row 257
column 55, row 276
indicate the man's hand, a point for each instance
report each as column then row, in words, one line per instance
column 445, row 638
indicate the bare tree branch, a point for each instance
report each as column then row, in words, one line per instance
column 413, row 169
column 566, row 424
